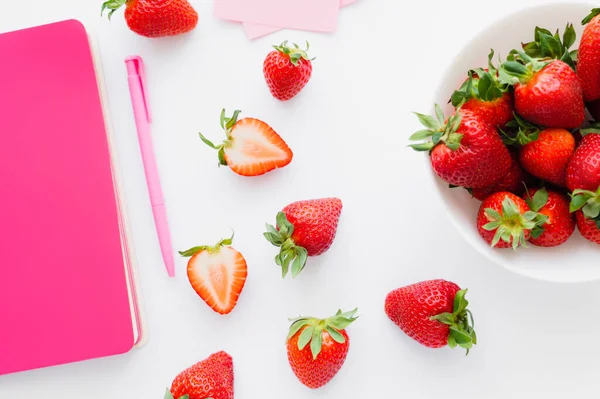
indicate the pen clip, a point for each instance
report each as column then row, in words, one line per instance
column 140, row 71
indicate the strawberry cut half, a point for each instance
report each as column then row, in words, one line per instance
column 252, row 147
column 217, row 274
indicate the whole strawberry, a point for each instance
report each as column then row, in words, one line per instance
column 484, row 95
column 217, row 274
column 211, row 378
column 588, row 64
column 547, row 156
column 156, row 18
column 317, row 349
column 505, row 220
column 583, row 175
column 465, row 151
column 514, row 182
column 304, row 228
column 589, row 228
column 560, row 223
column 547, row 93
column 287, row 70
column 434, row 313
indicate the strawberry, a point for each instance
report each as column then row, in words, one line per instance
column 252, row 147
column 434, row 313
column 560, row 223
column 547, row 93
column 211, row 378
column 156, row 18
column 548, row 45
column 589, row 228
column 484, row 95
column 304, row 228
column 217, row 274
column 504, row 220
column 464, row 151
column 514, row 181
column 583, row 170
column 287, row 70
column 547, row 156
column 316, row 364
column 588, row 63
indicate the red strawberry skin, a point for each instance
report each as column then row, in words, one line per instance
column 160, row 18
column 498, row 112
column 548, row 156
column 411, row 307
column 588, row 228
column 286, row 80
column 588, row 64
column 495, row 202
column 561, row 222
column 210, row 378
column 583, row 171
column 552, row 98
column 315, row 223
column 514, row 182
column 481, row 160
column 318, row 372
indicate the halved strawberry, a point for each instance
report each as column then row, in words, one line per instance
column 252, row 147
column 217, row 274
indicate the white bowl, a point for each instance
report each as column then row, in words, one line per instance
column 575, row 261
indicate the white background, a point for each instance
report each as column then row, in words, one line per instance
column 348, row 130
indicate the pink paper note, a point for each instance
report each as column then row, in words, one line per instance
column 254, row 31
column 312, row 15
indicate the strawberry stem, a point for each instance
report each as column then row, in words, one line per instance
column 438, row 130
column 193, row 251
column 311, row 330
column 588, row 202
column 295, row 53
column 282, row 237
column 462, row 325
column 226, row 124
column 594, row 13
column 112, row 5
column 521, row 69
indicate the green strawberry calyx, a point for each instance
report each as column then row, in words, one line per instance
column 521, row 68
column 169, row 395
column 481, row 85
column 510, row 225
column 438, row 131
column 227, row 123
column 462, row 325
column 311, row 330
column 282, row 237
column 588, row 202
column 112, row 5
column 294, row 52
column 536, row 203
column 520, row 132
column 593, row 14
column 548, row 45
column 210, row 249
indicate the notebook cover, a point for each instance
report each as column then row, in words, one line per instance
column 63, row 288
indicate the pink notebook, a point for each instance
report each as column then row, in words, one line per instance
column 67, row 272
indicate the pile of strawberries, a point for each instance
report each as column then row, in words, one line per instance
column 520, row 140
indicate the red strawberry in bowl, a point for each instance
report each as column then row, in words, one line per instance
column 217, row 274
column 211, row 378
column 588, row 63
column 252, row 148
column 589, row 228
column 484, row 95
column 560, row 223
column 304, row 228
column 505, row 220
column 287, row 70
column 547, row 93
column 514, row 181
column 434, row 313
column 317, row 348
column 464, row 151
column 156, row 18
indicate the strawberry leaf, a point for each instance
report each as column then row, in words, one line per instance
column 316, row 343
column 539, row 200
column 305, row 337
column 336, row 335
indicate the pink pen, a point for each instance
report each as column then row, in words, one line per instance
column 143, row 118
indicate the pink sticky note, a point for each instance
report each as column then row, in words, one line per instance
column 312, row 15
column 254, row 31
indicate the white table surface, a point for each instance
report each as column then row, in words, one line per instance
column 348, row 130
